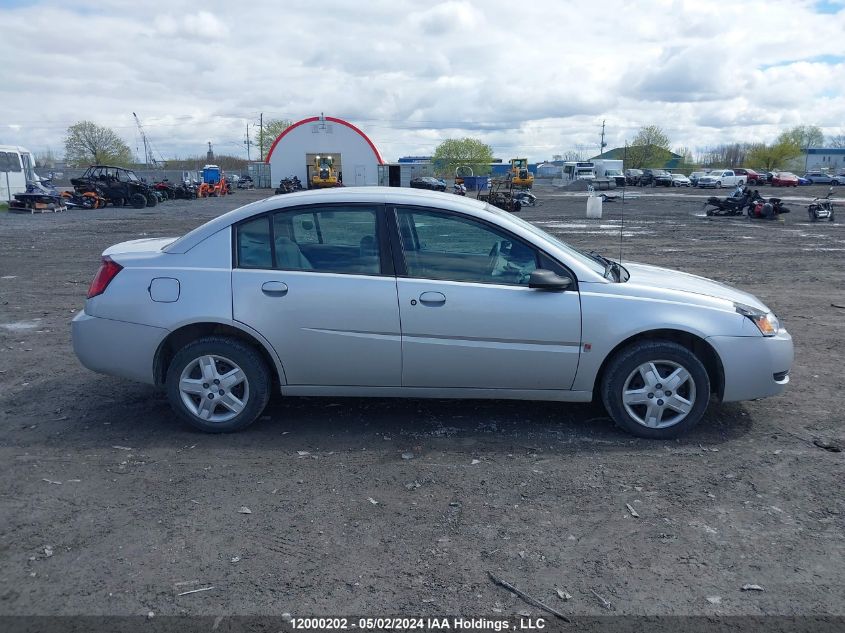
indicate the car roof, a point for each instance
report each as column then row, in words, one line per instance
column 339, row 195
column 381, row 195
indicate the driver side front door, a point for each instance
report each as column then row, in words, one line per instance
column 468, row 317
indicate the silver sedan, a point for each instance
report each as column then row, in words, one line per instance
column 394, row 292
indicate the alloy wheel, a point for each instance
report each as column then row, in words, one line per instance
column 659, row 394
column 214, row 388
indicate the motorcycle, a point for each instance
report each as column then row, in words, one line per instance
column 289, row 185
column 821, row 208
column 762, row 209
column 732, row 205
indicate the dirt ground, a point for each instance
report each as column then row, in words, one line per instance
column 111, row 506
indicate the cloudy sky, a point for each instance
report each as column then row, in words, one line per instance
column 534, row 83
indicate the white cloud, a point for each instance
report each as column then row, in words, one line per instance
column 531, row 79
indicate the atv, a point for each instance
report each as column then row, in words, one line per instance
column 117, row 185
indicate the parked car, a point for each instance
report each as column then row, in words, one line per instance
column 784, row 179
column 694, row 176
column 804, row 181
column 719, row 178
column 751, row 176
column 820, row 178
column 632, row 176
column 427, row 182
column 679, row 180
column 441, row 296
column 655, row 177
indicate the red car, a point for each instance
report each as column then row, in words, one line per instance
column 784, row 179
column 751, row 176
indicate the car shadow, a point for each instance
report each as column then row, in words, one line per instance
column 140, row 415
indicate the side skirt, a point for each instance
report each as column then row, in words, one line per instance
column 438, row 392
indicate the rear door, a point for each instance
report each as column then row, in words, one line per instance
column 469, row 319
column 318, row 283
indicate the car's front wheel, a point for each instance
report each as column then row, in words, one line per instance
column 656, row 389
column 218, row 384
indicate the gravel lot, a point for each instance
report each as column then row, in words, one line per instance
column 111, row 506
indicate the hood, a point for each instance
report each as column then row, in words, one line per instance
column 656, row 277
column 146, row 245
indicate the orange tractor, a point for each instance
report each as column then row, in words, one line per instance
column 213, row 182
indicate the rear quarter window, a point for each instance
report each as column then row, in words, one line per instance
column 253, row 244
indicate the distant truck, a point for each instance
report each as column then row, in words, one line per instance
column 578, row 170
column 610, row 170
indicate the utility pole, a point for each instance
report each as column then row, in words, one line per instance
column 261, row 136
column 247, row 142
column 603, row 144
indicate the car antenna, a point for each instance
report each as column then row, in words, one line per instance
column 624, row 188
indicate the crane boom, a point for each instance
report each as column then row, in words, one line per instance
column 149, row 159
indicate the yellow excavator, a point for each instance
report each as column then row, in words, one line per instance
column 323, row 175
column 520, row 176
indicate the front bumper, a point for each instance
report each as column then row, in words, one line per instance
column 116, row 348
column 754, row 366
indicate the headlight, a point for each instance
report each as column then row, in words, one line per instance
column 766, row 322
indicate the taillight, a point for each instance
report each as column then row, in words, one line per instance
column 108, row 270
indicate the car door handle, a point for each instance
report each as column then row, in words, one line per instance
column 274, row 288
column 433, row 298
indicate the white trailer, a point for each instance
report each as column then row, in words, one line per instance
column 16, row 169
column 611, row 170
column 578, row 170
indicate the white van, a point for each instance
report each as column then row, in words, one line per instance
column 16, row 169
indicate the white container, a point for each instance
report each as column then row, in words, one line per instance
column 594, row 207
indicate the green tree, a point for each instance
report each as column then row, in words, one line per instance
column 265, row 136
column 649, row 149
column 87, row 143
column 462, row 152
column 775, row 156
column 803, row 136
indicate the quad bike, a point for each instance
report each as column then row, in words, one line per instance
column 116, row 185
column 166, row 188
column 762, row 209
column 732, row 205
column 821, row 208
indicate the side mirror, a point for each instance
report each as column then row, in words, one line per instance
column 547, row 280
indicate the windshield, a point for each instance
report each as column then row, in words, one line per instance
column 678, row 176
column 613, row 172
column 660, row 172
column 130, row 175
column 582, row 258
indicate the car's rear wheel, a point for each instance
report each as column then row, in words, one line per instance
column 656, row 389
column 152, row 199
column 138, row 200
column 218, row 385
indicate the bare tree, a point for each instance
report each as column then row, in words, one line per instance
column 837, row 141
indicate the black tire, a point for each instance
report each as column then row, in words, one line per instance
column 812, row 215
column 246, row 357
column 625, row 363
column 152, row 199
column 117, row 202
column 138, row 200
